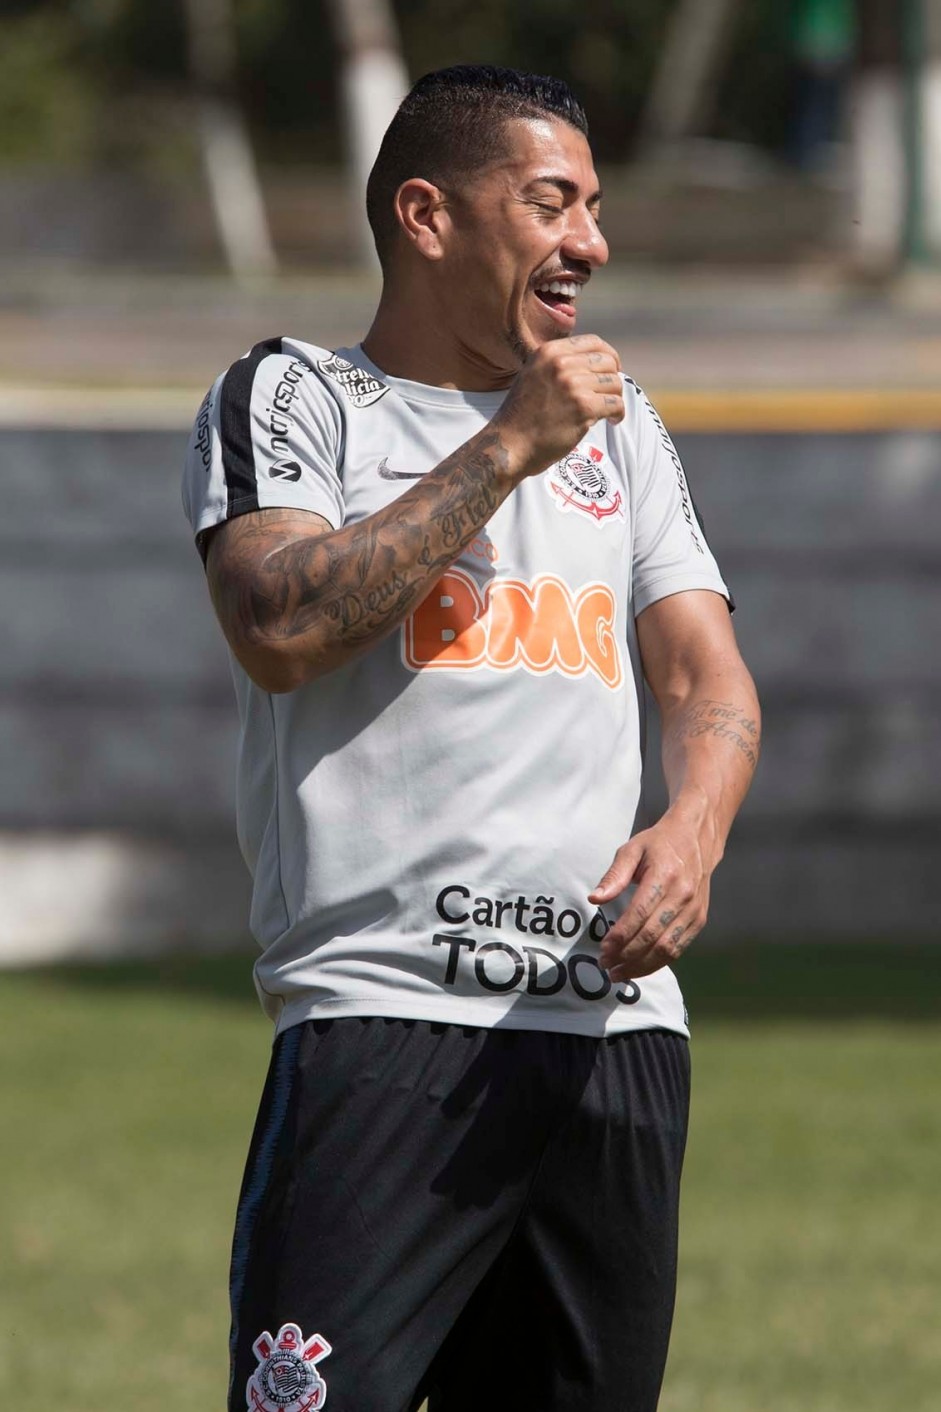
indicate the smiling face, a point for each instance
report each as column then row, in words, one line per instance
column 522, row 241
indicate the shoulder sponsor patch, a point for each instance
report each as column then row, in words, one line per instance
column 286, row 1379
column 360, row 387
column 579, row 482
column 203, row 438
column 280, row 421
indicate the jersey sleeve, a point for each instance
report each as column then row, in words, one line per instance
column 266, row 435
column 671, row 554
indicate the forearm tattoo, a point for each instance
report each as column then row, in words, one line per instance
column 360, row 582
column 722, row 720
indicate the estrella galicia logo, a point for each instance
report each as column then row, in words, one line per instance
column 360, row 387
column 285, row 470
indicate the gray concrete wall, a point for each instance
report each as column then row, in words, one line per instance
column 117, row 724
column 832, row 546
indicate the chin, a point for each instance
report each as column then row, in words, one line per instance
column 519, row 344
column 524, row 342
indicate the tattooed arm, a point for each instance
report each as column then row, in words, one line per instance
column 297, row 599
column 711, row 739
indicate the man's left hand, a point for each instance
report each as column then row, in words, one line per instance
column 670, row 904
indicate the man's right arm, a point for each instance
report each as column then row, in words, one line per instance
column 296, row 598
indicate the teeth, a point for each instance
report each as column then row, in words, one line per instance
column 556, row 286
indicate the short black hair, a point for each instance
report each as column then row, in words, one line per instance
column 451, row 124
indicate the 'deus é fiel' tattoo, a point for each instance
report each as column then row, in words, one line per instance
column 354, row 585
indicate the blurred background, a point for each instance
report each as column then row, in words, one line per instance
column 179, row 181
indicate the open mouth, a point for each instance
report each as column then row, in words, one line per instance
column 559, row 295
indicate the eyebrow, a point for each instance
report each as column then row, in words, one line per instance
column 567, row 187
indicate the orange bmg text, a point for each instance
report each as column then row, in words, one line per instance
column 541, row 626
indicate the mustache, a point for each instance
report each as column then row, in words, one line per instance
column 574, row 267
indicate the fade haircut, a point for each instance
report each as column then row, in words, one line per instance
column 451, row 124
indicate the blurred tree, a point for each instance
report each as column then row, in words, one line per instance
column 925, row 47
column 754, row 101
column 48, row 102
column 880, row 165
column 109, row 78
column 228, row 159
column 91, row 82
column 374, row 83
column 688, row 71
column 603, row 48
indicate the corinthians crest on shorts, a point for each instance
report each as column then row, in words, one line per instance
column 579, row 482
column 361, row 387
column 286, row 1379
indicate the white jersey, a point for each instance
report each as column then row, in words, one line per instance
column 424, row 824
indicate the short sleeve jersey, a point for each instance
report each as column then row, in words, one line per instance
column 424, row 824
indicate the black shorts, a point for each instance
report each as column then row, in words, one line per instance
column 487, row 1218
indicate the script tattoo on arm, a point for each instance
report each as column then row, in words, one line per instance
column 276, row 582
column 722, row 720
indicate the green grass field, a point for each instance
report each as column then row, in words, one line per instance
column 811, row 1243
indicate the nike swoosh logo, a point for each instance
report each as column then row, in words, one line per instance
column 388, row 474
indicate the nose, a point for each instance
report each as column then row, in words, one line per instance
column 584, row 240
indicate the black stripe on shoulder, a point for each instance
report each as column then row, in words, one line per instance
column 238, row 461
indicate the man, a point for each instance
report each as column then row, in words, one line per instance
column 443, row 561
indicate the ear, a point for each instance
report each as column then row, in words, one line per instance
column 421, row 211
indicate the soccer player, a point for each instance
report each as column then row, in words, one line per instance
column 444, row 560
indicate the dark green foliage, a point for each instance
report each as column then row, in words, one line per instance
column 604, row 49
column 755, row 100
column 98, row 80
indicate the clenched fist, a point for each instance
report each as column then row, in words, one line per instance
column 561, row 390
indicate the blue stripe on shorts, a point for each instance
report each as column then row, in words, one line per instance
column 256, row 1182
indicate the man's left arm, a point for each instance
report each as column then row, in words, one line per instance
column 711, row 737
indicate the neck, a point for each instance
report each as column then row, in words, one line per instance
column 410, row 338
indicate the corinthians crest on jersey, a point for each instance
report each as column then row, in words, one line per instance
column 286, row 1379
column 361, row 387
column 580, row 482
